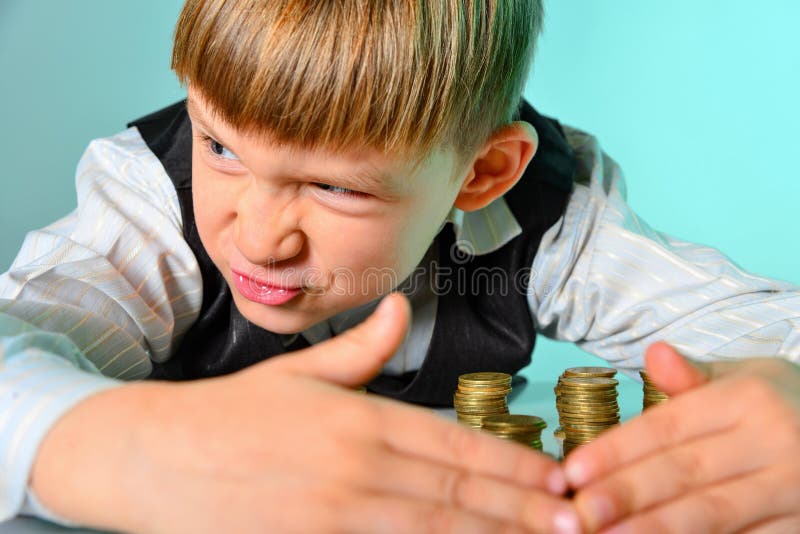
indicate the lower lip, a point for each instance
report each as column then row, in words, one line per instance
column 252, row 290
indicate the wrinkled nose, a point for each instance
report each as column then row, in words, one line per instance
column 266, row 228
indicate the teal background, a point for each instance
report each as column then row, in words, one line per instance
column 696, row 100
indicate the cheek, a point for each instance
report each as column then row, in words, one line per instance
column 211, row 212
column 403, row 244
column 361, row 256
column 356, row 245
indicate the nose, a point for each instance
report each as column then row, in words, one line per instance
column 266, row 228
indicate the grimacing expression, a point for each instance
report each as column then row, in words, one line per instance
column 339, row 226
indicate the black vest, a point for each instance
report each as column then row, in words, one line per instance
column 488, row 330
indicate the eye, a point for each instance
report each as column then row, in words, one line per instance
column 340, row 191
column 217, row 149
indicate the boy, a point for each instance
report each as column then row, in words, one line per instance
column 308, row 238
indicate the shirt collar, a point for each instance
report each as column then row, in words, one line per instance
column 484, row 230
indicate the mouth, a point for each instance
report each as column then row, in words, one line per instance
column 263, row 292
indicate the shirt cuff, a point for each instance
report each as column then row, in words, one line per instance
column 35, row 391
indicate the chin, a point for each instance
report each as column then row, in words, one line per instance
column 278, row 319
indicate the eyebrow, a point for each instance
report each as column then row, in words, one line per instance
column 369, row 178
column 196, row 117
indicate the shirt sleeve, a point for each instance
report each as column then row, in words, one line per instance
column 90, row 301
column 605, row 280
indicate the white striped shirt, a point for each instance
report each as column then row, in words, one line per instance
column 93, row 298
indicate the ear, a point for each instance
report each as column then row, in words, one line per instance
column 498, row 166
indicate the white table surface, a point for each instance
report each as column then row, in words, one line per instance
column 531, row 398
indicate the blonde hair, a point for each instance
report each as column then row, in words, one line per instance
column 399, row 76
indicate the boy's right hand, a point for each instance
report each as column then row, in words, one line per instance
column 282, row 447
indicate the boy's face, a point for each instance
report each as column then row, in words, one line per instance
column 267, row 214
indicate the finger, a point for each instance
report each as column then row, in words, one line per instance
column 670, row 372
column 482, row 494
column 416, row 432
column 665, row 476
column 355, row 356
column 378, row 513
column 674, row 373
column 724, row 507
column 664, row 426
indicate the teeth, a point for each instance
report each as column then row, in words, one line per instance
column 241, row 278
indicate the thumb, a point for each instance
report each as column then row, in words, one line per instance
column 355, row 356
column 671, row 372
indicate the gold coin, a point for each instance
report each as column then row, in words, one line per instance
column 484, row 378
column 607, row 372
column 521, row 434
column 513, row 421
column 566, row 418
column 482, row 413
column 597, row 403
column 584, row 427
column 569, row 386
column 568, row 404
column 480, row 396
column 567, row 423
column 478, row 400
column 589, row 382
column 588, row 413
column 488, row 395
column 483, row 387
column 579, row 412
column 596, row 398
column 473, row 409
column 474, row 406
column 584, row 396
column 470, row 404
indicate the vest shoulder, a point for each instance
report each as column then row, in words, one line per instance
column 167, row 114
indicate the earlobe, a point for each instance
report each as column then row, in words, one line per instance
column 498, row 166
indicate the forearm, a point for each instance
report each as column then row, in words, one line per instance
column 606, row 280
column 42, row 376
column 88, row 466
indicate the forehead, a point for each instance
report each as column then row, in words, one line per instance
column 364, row 167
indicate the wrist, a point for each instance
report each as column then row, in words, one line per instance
column 85, row 468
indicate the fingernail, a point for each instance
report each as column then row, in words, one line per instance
column 566, row 522
column 382, row 311
column 577, row 473
column 557, row 482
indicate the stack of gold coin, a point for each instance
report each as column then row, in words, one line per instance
column 480, row 395
column 652, row 396
column 587, row 406
column 525, row 429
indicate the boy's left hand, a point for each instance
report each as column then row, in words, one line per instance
column 723, row 455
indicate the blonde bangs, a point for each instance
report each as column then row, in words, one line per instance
column 398, row 76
